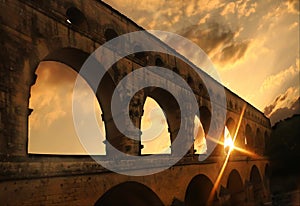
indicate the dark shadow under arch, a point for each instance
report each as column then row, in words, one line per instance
column 267, row 176
column 257, row 185
column 236, row 188
column 72, row 57
column 129, row 194
column 198, row 191
column 259, row 141
column 266, row 142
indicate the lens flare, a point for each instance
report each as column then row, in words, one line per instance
column 229, row 143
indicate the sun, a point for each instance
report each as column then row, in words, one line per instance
column 228, row 142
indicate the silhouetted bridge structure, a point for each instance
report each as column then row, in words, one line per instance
column 67, row 32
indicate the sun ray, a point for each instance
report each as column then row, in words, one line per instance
column 217, row 182
column 247, row 152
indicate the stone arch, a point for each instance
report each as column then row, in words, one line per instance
column 249, row 136
column 257, row 185
column 230, row 127
column 203, row 127
column 70, row 56
column 220, row 147
column 129, row 194
column 198, row 191
column 155, row 137
column 266, row 141
column 230, row 124
column 51, row 125
column 235, row 188
column 259, row 142
column 200, row 144
column 267, row 176
column 170, row 107
column 75, row 58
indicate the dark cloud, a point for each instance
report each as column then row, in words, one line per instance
column 208, row 38
column 283, row 97
column 270, row 108
column 218, row 39
column 233, row 52
column 283, row 113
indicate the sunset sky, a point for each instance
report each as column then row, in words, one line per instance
column 253, row 44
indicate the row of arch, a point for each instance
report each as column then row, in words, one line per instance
column 248, row 138
column 165, row 101
column 197, row 193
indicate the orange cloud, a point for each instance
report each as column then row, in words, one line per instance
column 285, row 105
column 276, row 81
column 229, row 9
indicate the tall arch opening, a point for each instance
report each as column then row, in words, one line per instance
column 201, row 128
column 266, row 141
column 200, row 146
column 129, row 194
column 259, row 143
column 248, row 137
column 198, row 191
column 257, row 186
column 72, row 59
column 229, row 132
column 155, row 137
column 169, row 118
column 235, row 188
column 51, row 127
column 267, row 179
column 230, row 124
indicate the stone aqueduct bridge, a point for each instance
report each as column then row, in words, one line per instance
column 35, row 31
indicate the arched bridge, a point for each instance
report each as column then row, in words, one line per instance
column 68, row 32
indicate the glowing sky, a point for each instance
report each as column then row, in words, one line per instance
column 51, row 127
column 253, row 44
